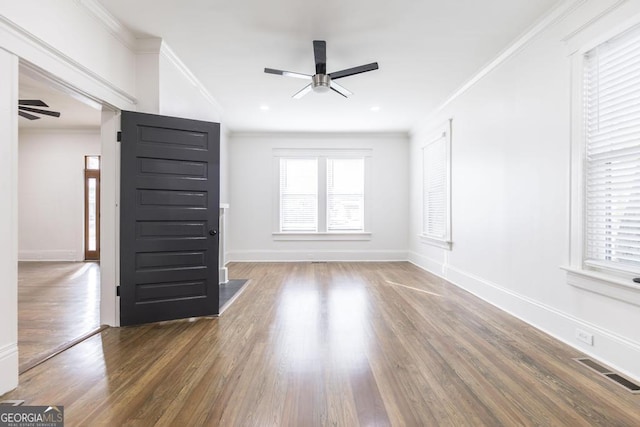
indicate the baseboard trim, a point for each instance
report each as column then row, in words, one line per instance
column 8, row 367
column 223, row 274
column 609, row 348
column 49, row 255
column 309, row 256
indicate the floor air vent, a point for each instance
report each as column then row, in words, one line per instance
column 606, row 372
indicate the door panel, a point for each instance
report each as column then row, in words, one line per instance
column 169, row 205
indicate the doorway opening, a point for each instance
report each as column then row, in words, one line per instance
column 58, row 208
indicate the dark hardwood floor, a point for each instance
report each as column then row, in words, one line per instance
column 57, row 303
column 338, row 344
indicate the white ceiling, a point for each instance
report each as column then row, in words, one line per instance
column 426, row 49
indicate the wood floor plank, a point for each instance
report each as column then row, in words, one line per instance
column 331, row 344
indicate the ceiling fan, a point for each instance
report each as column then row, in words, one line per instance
column 25, row 109
column 321, row 81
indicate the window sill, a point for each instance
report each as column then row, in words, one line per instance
column 333, row 236
column 444, row 244
column 604, row 284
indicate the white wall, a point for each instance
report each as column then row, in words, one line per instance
column 51, row 193
column 8, row 221
column 251, row 192
column 511, row 192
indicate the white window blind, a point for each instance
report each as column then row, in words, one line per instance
column 434, row 208
column 345, row 194
column 298, row 195
column 612, row 133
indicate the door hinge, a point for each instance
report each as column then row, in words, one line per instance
column 117, row 291
column 119, row 136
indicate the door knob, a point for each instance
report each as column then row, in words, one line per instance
column 213, row 232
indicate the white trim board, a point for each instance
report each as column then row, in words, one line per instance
column 168, row 53
column 50, row 255
column 315, row 255
column 42, row 56
column 320, row 135
column 9, row 364
column 614, row 350
column 111, row 23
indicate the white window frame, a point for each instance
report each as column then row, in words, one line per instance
column 611, row 282
column 322, row 155
column 441, row 135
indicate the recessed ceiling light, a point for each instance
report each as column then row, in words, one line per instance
column 264, row 107
column 375, row 108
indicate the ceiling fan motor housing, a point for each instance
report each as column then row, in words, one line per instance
column 321, row 82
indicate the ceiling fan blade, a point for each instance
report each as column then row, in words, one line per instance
column 302, row 92
column 320, row 55
column 355, row 70
column 28, row 116
column 287, row 73
column 39, row 111
column 341, row 90
column 32, row 102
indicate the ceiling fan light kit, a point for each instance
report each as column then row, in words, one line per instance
column 321, row 82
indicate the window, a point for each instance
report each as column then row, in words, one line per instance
column 612, row 158
column 92, row 208
column 605, row 173
column 321, row 194
column 436, row 189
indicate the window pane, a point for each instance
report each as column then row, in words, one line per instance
column 434, row 220
column 345, row 194
column 298, row 195
column 92, row 162
column 91, row 217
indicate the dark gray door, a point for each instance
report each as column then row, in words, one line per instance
column 169, row 203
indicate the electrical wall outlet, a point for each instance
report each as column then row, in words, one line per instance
column 584, row 336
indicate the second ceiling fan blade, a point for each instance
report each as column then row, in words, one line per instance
column 354, row 70
column 287, row 73
column 27, row 115
column 302, row 92
column 39, row 111
column 320, row 55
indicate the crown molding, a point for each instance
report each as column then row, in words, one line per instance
column 110, row 22
column 170, row 55
column 555, row 15
column 320, row 135
column 593, row 20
